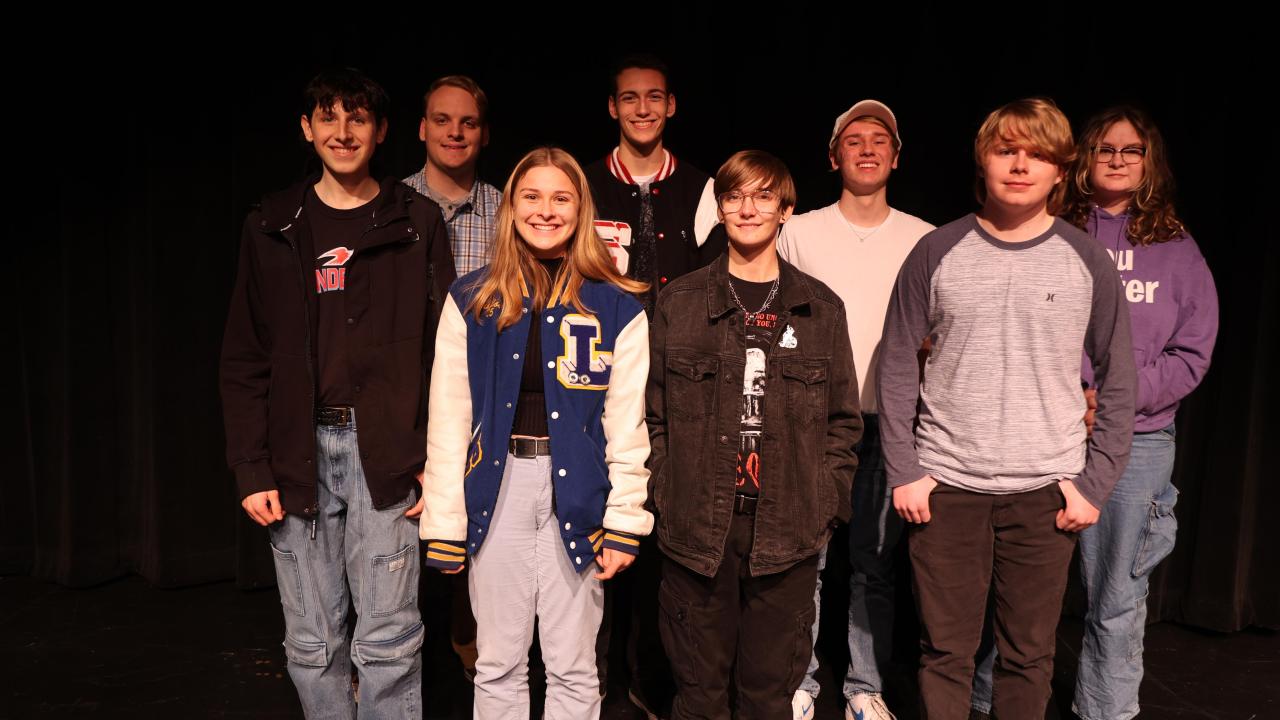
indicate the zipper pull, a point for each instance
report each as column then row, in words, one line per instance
column 313, row 528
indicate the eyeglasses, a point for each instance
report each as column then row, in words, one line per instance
column 765, row 201
column 1131, row 155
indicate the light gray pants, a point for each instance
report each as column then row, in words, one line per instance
column 522, row 572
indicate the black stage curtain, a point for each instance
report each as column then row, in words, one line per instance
column 125, row 269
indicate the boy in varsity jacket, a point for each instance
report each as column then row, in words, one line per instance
column 655, row 213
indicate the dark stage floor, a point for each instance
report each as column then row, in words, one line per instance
column 126, row 650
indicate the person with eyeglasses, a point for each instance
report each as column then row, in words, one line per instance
column 753, row 416
column 856, row 245
column 987, row 450
column 1121, row 193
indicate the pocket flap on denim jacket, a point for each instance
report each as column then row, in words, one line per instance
column 807, row 372
column 694, row 368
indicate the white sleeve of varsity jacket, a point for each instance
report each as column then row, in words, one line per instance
column 444, row 516
column 705, row 218
column 625, row 434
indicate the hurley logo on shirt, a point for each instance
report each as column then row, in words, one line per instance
column 332, row 275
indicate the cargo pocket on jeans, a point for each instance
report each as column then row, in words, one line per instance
column 679, row 638
column 393, row 584
column 1159, row 534
column 289, row 580
column 802, row 639
column 310, row 654
column 369, row 652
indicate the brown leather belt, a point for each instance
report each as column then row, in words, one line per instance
column 745, row 504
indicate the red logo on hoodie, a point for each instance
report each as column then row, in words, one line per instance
column 332, row 275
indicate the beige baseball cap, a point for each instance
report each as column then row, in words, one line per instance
column 875, row 109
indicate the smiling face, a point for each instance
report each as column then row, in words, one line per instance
column 452, row 129
column 641, row 105
column 864, row 155
column 1018, row 176
column 1115, row 181
column 753, row 225
column 344, row 140
column 545, row 211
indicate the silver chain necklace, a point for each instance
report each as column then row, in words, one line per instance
column 854, row 228
column 748, row 315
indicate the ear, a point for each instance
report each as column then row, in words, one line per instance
column 613, row 108
column 671, row 104
column 382, row 131
column 894, row 165
column 786, row 215
column 422, row 130
column 306, row 129
column 831, row 155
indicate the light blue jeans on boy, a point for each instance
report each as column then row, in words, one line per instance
column 372, row 554
column 1135, row 531
column 874, row 532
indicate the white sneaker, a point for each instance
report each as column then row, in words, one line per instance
column 801, row 706
column 867, row 706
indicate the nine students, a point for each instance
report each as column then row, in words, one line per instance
column 544, row 368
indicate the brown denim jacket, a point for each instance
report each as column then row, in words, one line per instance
column 694, row 399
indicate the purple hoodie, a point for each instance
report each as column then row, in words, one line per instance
column 1173, row 307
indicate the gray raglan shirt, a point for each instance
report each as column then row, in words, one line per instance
column 1000, row 404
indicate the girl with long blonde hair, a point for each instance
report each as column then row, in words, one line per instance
column 537, row 444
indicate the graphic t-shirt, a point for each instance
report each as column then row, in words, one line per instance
column 761, row 328
column 333, row 235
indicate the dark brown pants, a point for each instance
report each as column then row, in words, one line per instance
column 1009, row 546
column 758, row 625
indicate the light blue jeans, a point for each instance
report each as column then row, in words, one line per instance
column 874, row 532
column 372, row 554
column 1135, row 531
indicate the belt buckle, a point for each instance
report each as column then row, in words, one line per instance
column 526, row 448
column 745, row 504
column 333, row 415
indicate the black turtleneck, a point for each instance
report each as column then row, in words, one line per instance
column 531, row 407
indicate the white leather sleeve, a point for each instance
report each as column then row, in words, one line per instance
column 705, row 218
column 449, row 432
column 625, row 433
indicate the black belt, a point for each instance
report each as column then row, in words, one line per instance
column 745, row 504
column 339, row 415
column 529, row 447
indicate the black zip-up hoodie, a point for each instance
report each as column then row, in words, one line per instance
column 395, row 284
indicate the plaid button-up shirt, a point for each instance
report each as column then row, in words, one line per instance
column 470, row 222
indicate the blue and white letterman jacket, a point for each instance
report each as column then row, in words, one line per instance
column 596, row 365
